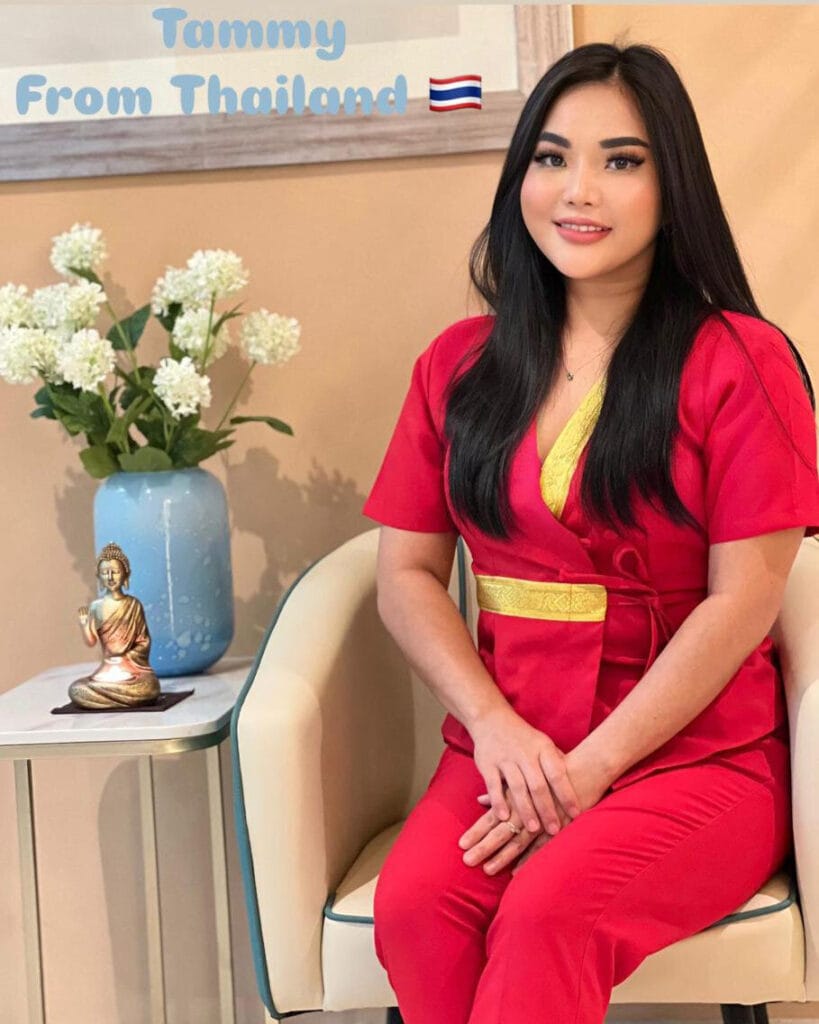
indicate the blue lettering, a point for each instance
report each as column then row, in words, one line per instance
column 169, row 16
column 257, row 101
column 338, row 40
column 53, row 97
column 128, row 97
column 331, row 95
column 215, row 94
column 400, row 91
column 187, row 84
column 351, row 97
column 197, row 34
column 88, row 100
column 237, row 32
column 282, row 99
column 26, row 93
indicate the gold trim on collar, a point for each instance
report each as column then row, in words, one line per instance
column 559, row 465
column 537, row 599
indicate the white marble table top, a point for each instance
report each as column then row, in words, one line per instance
column 26, row 719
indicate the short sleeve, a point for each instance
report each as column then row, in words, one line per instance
column 409, row 492
column 759, row 452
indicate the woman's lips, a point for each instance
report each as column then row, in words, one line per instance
column 582, row 237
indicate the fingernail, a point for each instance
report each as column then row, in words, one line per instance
column 462, row 843
column 533, row 825
column 554, row 828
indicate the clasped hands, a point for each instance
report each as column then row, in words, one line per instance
column 546, row 789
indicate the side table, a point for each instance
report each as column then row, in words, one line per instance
column 28, row 730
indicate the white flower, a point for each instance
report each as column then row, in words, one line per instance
column 180, row 387
column 87, row 360
column 190, row 332
column 177, row 285
column 81, row 246
column 15, row 305
column 270, row 338
column 216, row 272
column 27, row 351
column 66, row 308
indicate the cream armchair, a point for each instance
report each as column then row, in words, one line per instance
column 333, row 741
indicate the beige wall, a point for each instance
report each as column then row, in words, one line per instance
column 371, row 257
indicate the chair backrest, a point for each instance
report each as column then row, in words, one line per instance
column 428, row 712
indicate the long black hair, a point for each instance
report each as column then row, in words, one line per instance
column 696, row 272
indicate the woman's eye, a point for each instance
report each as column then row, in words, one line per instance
column 622, row 159
column 634, row 161
column 543, row 158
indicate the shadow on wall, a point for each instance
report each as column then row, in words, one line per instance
column 296, row 523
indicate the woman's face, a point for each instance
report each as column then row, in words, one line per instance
column 614, row 185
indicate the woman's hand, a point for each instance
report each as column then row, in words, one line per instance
column 489, row 838
column 508, row 748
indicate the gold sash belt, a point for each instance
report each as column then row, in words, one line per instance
column 537, row 599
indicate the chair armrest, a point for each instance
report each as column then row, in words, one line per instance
column 796, row 635
column 323, row 746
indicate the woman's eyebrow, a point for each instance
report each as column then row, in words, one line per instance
column 622, row 140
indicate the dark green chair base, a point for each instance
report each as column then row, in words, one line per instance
column 736, row 1013
column 732, row 1013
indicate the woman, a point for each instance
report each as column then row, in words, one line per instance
column 628, row 449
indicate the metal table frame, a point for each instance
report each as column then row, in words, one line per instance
column 145, row 751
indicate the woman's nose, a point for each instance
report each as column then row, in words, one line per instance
column 580, row 186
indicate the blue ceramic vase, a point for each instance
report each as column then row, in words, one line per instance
column 173, row 527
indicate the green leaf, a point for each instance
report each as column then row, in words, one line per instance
column 137, row 408
column 68, row 403
column 89, row 275
column 169, row 319
column 45, row 406
column 145, row 460
column 151, row 428
column 269, row 420
column 95, row 415
column 131, row 390
column 99, row 461
column 195, row 445
column 73, row 424
column 132, row 326
column 175, row 351
column 117, row 433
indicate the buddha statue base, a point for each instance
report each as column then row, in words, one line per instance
column 115, row 685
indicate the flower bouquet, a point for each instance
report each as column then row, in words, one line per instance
column 150, row 419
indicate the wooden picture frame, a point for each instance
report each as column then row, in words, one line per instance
column 199, row 142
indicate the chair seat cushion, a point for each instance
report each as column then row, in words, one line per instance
column 754, row 955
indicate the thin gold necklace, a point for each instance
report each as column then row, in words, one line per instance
column 570, row 375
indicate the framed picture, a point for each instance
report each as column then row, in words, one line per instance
column 58, row 114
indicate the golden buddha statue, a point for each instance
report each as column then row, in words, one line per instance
column 125, row 677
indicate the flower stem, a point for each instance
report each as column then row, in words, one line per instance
column 206, row 350
column 128, row 346
column 236, row 396
column 106, row 402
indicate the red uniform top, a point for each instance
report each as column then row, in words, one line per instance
column 735, row 469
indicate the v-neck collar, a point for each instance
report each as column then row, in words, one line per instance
column 557, row 469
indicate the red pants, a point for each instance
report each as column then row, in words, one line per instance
column 654, row 862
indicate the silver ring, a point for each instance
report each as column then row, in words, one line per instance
column 513, row 828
